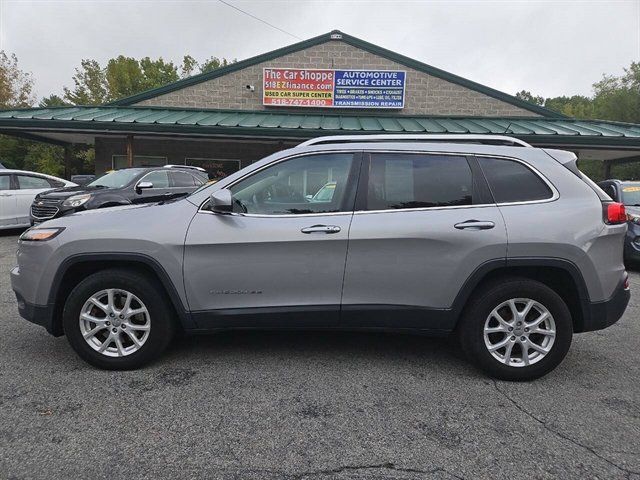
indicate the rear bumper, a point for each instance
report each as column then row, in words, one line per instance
column 603, row 314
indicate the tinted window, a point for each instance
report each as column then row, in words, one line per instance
column 159, row 178
column 5, row 182
column 292, row 186
column 511, row 181
column 418, row 181
column 27, row 181
column 183, row 179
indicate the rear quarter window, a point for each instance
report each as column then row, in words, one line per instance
column 511, row 181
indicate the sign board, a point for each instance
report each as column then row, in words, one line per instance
column 329, row 88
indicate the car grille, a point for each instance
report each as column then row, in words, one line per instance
column 44, row 209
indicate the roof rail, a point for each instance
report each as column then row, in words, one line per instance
column 453, row 138
column 188, row 167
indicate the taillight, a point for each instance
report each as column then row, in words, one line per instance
column 614, row 213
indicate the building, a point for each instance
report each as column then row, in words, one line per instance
column 328, row 85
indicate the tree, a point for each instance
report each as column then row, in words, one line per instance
column 52, row 100
column 16, row 86
column 529, row 97
column 90, row 85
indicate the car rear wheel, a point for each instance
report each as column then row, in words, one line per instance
column 118, row 319
column 517, row 329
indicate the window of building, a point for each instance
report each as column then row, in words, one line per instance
column 400, row 180
column 309, row 184
column 511, row 181
column 216, row 168
column 120, row 161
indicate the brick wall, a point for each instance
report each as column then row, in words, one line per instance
column 425, row 94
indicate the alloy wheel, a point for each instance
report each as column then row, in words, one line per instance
column 114, row 322
column 519, row 332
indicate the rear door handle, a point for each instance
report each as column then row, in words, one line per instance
column 321, row 229
column 474, row 225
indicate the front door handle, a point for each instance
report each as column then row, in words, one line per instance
column 321, row 229
column 474, row 225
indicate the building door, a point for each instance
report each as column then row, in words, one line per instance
column 423, row 224
column 280, row 252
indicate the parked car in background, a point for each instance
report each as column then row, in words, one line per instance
column 510, row 247
column 120, row 187
column 18, row 188
column 82, row 179
column 628, row 193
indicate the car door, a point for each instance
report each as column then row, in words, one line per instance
column 278, row 259
column 423, row 223
column 28, row 187
column 161, row 189
column 8, row 197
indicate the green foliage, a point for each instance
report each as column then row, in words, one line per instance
column 527, row 96
column 90, row 85
column 16, row 86
column 52, row 101
column 45, row 158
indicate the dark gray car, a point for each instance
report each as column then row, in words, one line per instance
column 509, row 247
column 627, row 193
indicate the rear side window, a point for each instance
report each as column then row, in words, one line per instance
column 511, row 181
column 27, row 182
column 183, row 179
column 5, row 182
column 400, row 180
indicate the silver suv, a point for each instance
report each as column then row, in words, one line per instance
column 509, row 247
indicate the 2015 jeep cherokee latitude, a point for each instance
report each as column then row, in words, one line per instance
column 508, row 246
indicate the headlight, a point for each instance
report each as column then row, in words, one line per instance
column 632, row 217
column 77, row 200
column 40, row 234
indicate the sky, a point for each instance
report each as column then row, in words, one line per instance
column 550, row 48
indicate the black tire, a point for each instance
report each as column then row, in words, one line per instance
column 471, row 327
column 147, row 290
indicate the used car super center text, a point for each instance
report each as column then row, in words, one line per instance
column 410, row 208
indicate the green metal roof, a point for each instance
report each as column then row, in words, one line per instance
column 355, row 42
column 306, row 124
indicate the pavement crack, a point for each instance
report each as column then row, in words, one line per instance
column 561, row 435
column 377, row 466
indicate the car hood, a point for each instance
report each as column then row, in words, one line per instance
column 66, row 192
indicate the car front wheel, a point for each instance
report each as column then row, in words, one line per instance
column 118, row 319
column 517, row 329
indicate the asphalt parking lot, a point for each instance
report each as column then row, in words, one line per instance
column 314, row 406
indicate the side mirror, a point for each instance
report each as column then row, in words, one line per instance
column 143, row 186
column 221, row 201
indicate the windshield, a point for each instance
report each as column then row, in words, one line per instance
column 631, row 194
column 117, row 178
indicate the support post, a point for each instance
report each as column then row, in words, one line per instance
column 129, row 151
column 68, row 155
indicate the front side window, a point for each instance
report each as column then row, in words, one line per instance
column 27, row 182
column 159, row 178
column 310, row 184
column 511, row 181
column 400, row 180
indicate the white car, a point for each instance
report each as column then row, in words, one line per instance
column 17, row 190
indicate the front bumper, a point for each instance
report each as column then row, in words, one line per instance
column 43, row 315
column 603, row 314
